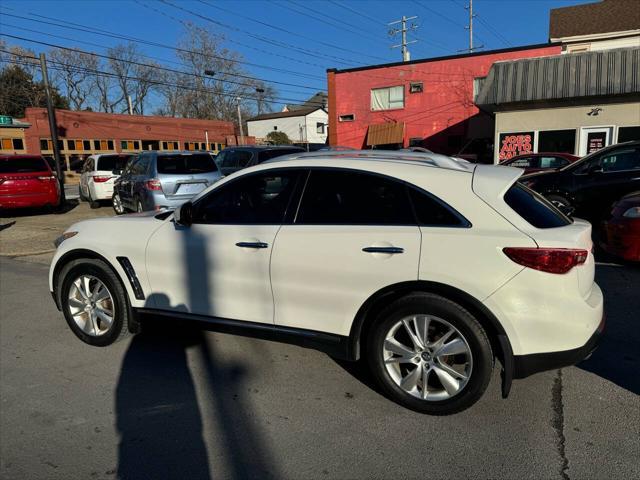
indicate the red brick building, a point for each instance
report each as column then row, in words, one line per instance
column 84, row 133
column 427, row 103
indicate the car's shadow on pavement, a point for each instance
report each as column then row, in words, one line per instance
column 32, row 212
column 617, row 358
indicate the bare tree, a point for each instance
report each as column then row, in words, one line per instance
column 213, row 96
column 74, row 74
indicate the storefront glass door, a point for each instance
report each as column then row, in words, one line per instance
column 593, row 139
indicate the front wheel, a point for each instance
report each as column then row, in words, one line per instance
column 430, row 355
column 94, row 302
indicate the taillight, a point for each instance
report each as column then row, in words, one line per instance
column 551, row 260
column 153, row 184
column 101, row 178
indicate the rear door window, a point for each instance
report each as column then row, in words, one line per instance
column 534, row 208
column 184, row 164
column 112, row 162
column 431, row 212
column 23, row 165
column 334, row 197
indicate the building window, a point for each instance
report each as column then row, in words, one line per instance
column 165, row 146
column 71, row 144
column 320, row 127
column 186, row 145
column 220, row 147
column 123, row 144
column 388, row 98
column 18, row 144
column 350, row 117
column 516, row 143
column 6, row 144
column 60, row 145
column 136, row 145
column 416, row 87
column 626, row 134
column 86, row 144
column 110, row 145
column 562, row 141
column 96, row 145
column 45, row 144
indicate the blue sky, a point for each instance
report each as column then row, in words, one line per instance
column 311, row 35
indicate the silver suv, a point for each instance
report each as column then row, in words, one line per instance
column 157, row 180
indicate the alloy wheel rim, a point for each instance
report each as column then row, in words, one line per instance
column 117, row 204
column 91, row 305
column 427, row 357
column 139, row 207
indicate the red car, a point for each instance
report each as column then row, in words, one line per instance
column 27, row 181
column 537, row 162
column 621, row 233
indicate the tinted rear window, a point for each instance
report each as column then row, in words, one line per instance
column 269, row 154
column 186, row 164
column 23, row 165
column 112, row 162
column 534, row 208
column 431, row 212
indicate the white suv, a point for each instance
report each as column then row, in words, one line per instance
column 99, row 173
column 427, row 267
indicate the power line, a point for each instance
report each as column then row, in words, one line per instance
column 289, row 32
column 276, row 43
column 106, row 33
column 103, row 73
column 131, row 62
column 361, row 14
column 438, row 14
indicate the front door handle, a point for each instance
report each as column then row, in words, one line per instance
column 391, row 250
column 252, row 245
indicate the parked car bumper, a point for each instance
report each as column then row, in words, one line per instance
column 158, row 201
column 101, row 191
column 31, row 199
column 525, row 365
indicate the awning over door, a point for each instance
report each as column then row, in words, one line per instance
column 385, row 133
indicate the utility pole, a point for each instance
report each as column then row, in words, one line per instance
column 470, row 27
column 240, row 122
column 406, row 56
column 130, row 104
column 53, row 126
column 260, row 92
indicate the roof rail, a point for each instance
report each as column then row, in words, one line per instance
column 428, row 159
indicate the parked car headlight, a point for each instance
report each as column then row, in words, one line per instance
column 64, row 237
column 633, row 212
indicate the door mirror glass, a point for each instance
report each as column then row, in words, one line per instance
column 183, row 215
column 594, row 169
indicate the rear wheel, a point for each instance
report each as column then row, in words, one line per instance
column 117, row 204
column 139, row 207
column 560, row 202
column 430, row 355
column 94, row 302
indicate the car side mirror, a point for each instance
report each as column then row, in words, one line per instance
column 183, row 215
column 595, row 169
column 116, row 172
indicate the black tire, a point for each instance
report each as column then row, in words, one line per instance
column 113, row 204
column 458, row 317
column 119, row 329
column 561, row 202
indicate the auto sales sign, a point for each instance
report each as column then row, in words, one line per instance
column 512, row 144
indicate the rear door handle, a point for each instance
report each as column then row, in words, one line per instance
column 252, row 245
column 391, row 250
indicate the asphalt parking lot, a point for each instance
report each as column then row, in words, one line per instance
column 179, row 403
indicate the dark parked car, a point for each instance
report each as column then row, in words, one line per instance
column 620, row 234
column 233, row 159
column 536, row 162
column 590, row 185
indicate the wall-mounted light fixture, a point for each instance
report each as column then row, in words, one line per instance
column 594, row 112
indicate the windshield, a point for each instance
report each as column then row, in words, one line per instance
column 112, row 162
column 186, row 164
column 23, row 165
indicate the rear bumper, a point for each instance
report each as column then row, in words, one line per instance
column 525, row 365
column 26, row 200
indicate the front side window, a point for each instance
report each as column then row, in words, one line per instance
column 334, row 197
column 387, row 98
column 621, row 160
column 254, row 199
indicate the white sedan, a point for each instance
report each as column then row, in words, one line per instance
column 426, row 267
